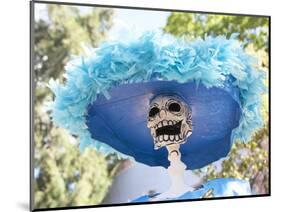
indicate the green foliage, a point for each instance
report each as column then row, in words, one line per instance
column 252, row 30
column 63, row 34
column 66, row 176
column 245, row 161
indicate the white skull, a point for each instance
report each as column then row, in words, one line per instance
column 169, row 120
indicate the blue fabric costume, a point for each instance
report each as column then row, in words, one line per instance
column 105, row 98
column 224, row 187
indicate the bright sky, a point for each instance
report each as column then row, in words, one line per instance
column 131, row 22
column 127, row 22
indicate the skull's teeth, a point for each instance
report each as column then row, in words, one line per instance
column 162, row 138
column 165, row 123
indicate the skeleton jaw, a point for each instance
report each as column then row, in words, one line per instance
column 167, row 132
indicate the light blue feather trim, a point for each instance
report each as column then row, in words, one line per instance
column 214, row 62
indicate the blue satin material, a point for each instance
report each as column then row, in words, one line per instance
column 121, row 121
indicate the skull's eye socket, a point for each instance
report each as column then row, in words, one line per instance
column 174, row 107
column 153, row 111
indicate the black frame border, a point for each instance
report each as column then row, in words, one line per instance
column 31, row 105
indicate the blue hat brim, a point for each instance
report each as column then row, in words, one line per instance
column 121, row 121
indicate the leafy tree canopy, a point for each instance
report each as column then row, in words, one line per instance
column 251, row 30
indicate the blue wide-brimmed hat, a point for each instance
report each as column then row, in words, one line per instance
column 105, row 98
